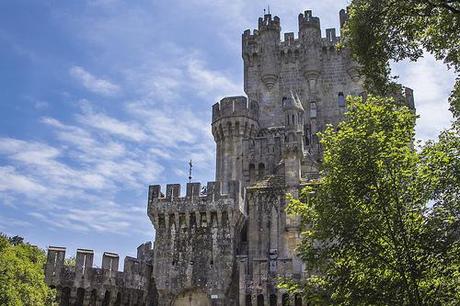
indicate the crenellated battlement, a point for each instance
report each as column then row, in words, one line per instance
column 267, row 23
column 211, row 198
column 291, row 46
column 307, row 20
column 250, row 38
column 235, row 107
column 209, row 208
column 136, row 272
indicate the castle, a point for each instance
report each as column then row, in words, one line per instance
column 228, row 242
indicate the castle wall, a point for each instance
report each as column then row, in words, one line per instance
column 228, row 242
column 196, row 240
column 84, row 285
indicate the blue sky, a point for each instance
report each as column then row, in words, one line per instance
column 101, row 98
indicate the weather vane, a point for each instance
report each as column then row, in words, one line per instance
column 266, row 10
column 190, row 165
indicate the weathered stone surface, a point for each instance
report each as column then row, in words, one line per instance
column 228, row 244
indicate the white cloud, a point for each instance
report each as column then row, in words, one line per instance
column 92, row 83
column 208, row 82
column 112, row 125
column 432, row 83
column 184, row 75
column 10, row 180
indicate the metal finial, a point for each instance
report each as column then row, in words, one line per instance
column 190, row 171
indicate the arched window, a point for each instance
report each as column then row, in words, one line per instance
column 252, row 173
column 106, row 301
column 65, row 296
column 307, row 134
column 272, row 299
column 285, row 299
column 260, row 300
column 244, row 233
column 93, row 298
column 261, row 170
column 118, row 301
column 313, row 110
column 80, row 297
column 298, row 300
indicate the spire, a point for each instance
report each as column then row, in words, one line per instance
column 190, row 166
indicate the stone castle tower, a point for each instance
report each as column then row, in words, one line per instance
column 227, row 243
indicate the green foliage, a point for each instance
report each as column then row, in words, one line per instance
column 22, row 280
column 70, row 262
column 369, row 234
column 382, row 30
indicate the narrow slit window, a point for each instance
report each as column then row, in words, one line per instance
column 341, row 99
column 313, row 110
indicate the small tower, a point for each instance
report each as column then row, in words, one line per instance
column 310, row 37
column 261, row 52
column 233, row 119
column 269, row 32
column 293, row 151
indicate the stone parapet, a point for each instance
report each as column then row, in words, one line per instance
column 83, row 284
column 237, row 106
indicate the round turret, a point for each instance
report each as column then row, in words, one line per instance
column 310, row 37
column 309, row 27
column 269, row 39
column 233, row 119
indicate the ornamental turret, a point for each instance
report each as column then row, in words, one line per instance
column 294, row 134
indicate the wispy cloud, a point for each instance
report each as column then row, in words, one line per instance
column 100, row 121
column 92, row 83
column 10, row 180
column 432, row 83
column 184, row 75
column 88, row 167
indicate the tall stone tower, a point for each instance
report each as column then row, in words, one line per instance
column 228, row 243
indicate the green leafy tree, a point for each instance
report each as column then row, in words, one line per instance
column 440, row 176
column 382, row 30
column 370, row 235
column 71, row 261
column 22, row 280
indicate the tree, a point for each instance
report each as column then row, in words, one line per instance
column 370, row 235
column 70, row 262
column 22, row 280
column 382, row 30
column 440, row 176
